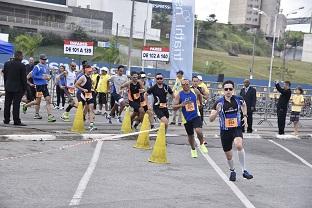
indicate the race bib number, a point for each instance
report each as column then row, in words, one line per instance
column 71, row 90
column 231, row 122
column 163, row 105
column 88, row 95
column 136, row 96
column 189, row 107
column 39, row 94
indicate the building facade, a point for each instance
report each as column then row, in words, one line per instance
column 121, row 10
column 56, row 17
column 307, row 48
column 242, row 13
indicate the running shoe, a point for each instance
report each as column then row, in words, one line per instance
column 233, row 176
column 109, row 118
column 152, row 126
column 24, row 108
column 62, row 108
column 104, row 114
column 65, row 117
column 51, row 118
column 203, row 148
column 119, row 119
column 92, row 127
column 247, row 175
column 172, row 123
column 37, row 116
column 179, row 124
column 56, row 108
column 194, row 153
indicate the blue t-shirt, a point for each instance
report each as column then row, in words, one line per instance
column 38, row 73
column 190, row 110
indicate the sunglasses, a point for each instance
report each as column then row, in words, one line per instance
column 159, row 78
column 228, row 89
column 73, row 66
column 185, row 84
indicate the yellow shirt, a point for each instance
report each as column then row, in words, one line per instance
column 177, row 86
column 93, row 78
column 297, row 102
column 204, row 87
column 102, row 86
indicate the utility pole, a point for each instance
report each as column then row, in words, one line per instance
column 145, row 28
column 311, row 23
column 197, row 30
column 117, row 28
column 131, row 36
column 253, row 56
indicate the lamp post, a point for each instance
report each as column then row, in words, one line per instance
column 145, row 28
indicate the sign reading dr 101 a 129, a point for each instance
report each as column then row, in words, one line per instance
column 154, row 53
column 78, row 47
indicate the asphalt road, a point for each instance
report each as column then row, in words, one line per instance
column 123, row 177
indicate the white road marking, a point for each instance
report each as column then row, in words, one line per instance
column 292, row 153
column 33, row 137
column 233, row 187
column 86, row 177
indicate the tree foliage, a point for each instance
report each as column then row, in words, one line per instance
column 110, row 55
column 79, row 34
column 28, row 44
column 215, row 67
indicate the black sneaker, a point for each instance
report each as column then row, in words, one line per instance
column 247, row 175
column 232, row 176
column 172, row 123
column 20, row 124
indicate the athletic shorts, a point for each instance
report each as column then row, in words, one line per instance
column 161, row 112
column 193, row 124
column 80, row 98
column 116, row 97
column 228, row 136
column 294, row 116
column 135, row 105
column 42, row 89
column 102, row 98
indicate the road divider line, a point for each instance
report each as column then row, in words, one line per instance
column 292, row 153
column 86, row 177
column 232, row 186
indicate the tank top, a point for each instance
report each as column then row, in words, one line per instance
column 88, row 84
column 134, row 92
column 190, row 110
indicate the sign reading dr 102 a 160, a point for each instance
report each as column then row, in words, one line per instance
column 154, row 53
column 78, row 48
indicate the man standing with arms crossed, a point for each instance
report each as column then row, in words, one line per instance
column 187, row 100
column 14, row 74
column 41, row 76
column 229, row 108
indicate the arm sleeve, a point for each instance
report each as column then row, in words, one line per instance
column 278, row 87
column 170, row 90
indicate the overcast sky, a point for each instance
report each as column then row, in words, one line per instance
column 221, row 8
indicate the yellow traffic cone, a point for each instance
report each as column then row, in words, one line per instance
column 159, row 153
column 143, row 138
column 126, row 123
column 78, row 124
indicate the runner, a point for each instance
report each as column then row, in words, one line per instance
column 116, row 81
column 84, row 84
column 203, row 92
column 95, row 77
column 145, row 99
column 41, row 77
column 229, row 108
column 159, row 92
column 60, row 82
column 135, row 88
column 70, row 76
column 188, row 99
column 102, row 90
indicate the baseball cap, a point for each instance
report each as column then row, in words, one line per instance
column 43, row 57
column 200, row 77
column 104, row 69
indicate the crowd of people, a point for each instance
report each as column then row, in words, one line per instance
column 107, row 94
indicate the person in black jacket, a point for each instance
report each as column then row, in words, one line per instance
column 14, row 73
column 282, row 105
column 249, row 95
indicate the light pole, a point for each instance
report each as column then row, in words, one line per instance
column 145, row 28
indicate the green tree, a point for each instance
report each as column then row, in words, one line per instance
column 161, row 21
column 28, row 44
column 79, row 34
column 110, row 55
column 215, row 67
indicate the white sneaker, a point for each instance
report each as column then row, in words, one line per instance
column 61, row 108
column 56, row 108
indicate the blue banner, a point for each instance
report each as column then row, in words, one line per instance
column 182, row 37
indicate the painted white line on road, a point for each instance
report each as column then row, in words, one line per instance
column 233, row 187
column 86, row 177
column 251, row 136
column 292, row 153
column 33, row 137
column 287, row 136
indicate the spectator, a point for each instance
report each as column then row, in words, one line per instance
column 282, row 105
column 60, row 82
column 15, row 85
column 177, row 87
column 297, row 103
column 249, row 94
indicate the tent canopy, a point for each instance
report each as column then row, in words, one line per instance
column 6, row 48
